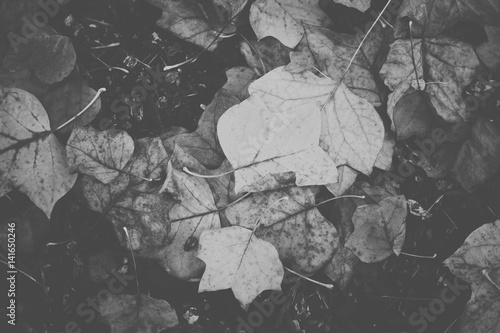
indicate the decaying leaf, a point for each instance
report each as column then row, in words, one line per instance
column 489, row 51
column 379, row 230
column 51, row 57
column 198, row 22
column 238, row 80
column 237, row 259
column 361, row 5
column 303, row 237
column 262, row 143
column 352, row 132
column 412, row 115
column 130, row 200
column 477, row 262
column 100, row 154
column 137, row 314
column 65, row 101
column 31, row 158
column 283, row 19
column 450, row 66
column 479, row 157
column 435, row 16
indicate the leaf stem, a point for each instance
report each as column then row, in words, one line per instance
column 417, row 256
column 186, row 170
column 342, row 197
column 133, row 259
column 326, row 285
column 101, row 90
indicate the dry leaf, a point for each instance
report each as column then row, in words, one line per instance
column 137, row 314
column 261, row 143
column 100, row 154
column 283, row 19
column 303, row 237
column 361, row 5
column 238, row 80
column 379, row 230
column 480, row 253
column 31, row 159
column 236, row 259
column 489, row 51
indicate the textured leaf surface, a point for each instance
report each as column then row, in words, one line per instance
column 99, row 154
column 379, row 230
column 237, row 259
column 131, row 201
column 260, row 142
column 31, row 159
column 361, row 5
column 302, row 236
column 137, row 314
column 489, row 51
column 450, row 63
column 352, row 132
column 51, row 57
column 480, row 252
column 283, row 19
column 435, row 16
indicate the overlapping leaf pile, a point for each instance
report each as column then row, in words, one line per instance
column 210, row 203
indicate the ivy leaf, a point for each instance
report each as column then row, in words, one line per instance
column 100, row 154
column 352, row 132
column 412, row 115
column 31, row 158
column 238, row 80
column 303, row 237
column 131, row 201
column 137, row 314
column 379, row 230
column 51, row 57
column 479, row 157
column 432, row 17
column 237, row 259
column 477, row 262
column 261, row 143
column 283, row 19
column 450, row 66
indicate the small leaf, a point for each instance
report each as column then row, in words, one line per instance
column 379, row 230
column 282, row 19
column 99, row 154
column 236, row 259
column 412, row 115
column 137, row 314
column 31, row 158
column 238, row 80
column 361, row 5
column 489, row 51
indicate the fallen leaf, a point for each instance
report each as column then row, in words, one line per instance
column 283, row 19
column 362, row 5
column 238, row 80
column 379, row 230
column 300, row 61
column 352, row 132
column 384, row 158
column 412, row 115
column 267, row 52
column 450, row 65
column 31, row 158
column 101, row 265
column 131, row 201
column 198, row 22
column 203, row 143
column 24, row 80
column 260, row 142
column 194, row 213
column 100, row 154
column 237, row 259
column 51, row 57
column 65, row 101
column 478, row 254
column 433, row 17
column 489, row 51
column 479, row 157
column 341, row 268
column 347, row 177
column 333, row 51
column 303, row 237
column 137, row 314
